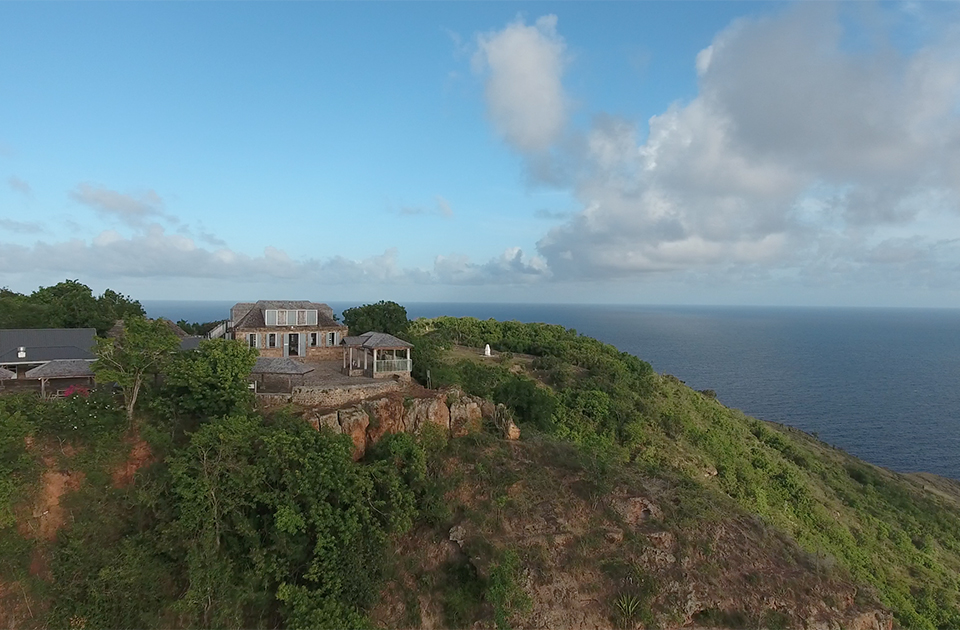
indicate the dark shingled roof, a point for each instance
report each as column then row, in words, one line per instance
column 266, row 365
column 67, row 368
column 6, row 374
column 46, row 344
column 254, row 317
column 190, row 343
column 375, row 340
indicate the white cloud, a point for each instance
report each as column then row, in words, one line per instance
column 155, row 253
column 794, row 152
column 441, row 208
column 525, row 98
column 20, row 227
column 134, row 210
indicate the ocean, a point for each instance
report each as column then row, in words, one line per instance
column 882, row 384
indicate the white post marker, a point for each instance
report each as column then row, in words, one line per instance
column 486, row 351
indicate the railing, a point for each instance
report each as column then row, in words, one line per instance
column 218, row 332
column 394, row 365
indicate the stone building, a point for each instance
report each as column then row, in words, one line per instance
column 288, row 328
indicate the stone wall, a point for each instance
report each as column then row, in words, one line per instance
column 331, row 397
column 450, row 411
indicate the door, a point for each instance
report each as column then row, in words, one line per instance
column 293, row 345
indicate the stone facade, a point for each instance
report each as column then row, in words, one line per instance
column 323, row 351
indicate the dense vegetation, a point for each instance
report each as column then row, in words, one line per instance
column 256, row 520
column 870, row 522
column 68, row 304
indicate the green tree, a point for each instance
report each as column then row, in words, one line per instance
column 387, row 317
column 139, row 350
column 67, row 304
column 210, row 381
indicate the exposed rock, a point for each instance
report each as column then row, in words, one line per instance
column 635, row 510
column 465, row 416
column 458, row 534
column 488, row 410
column 328, row 420
column 421, row 411
column 386, row 416
column 354, row 422
column 503, row 419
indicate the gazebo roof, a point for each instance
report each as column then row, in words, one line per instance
column 375, row 340
column 63, row 368
column 6, row 374
column 266, row 365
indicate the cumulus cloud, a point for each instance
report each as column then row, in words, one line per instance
column 524, row 92
column 793, row 144
column 135, row 210
column 19, row 185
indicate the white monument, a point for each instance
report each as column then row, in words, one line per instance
column 486, row 351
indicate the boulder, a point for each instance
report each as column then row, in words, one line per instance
column 386, row 416
column 465, row 416
column 421, row 411
column 328, row 420
column 354, row 422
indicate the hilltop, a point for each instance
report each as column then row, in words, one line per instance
column 630, row 500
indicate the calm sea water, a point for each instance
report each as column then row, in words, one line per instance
column 883, row 384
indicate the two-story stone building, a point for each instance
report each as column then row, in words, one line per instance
column 288, row 328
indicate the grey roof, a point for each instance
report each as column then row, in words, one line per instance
column 6, row 374
column 266, row 365
column 66, row 368
column 376, row 340
column 254, row 316
column 190, row 343
column 46, row 344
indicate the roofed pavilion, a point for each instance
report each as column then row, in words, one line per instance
column 376, row 355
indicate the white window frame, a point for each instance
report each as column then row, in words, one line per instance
column 313, row 339
column 255, row 337
column 331, row 336
column 271, row 340
column 312, row 317
column 283, row 318
column 270, row 317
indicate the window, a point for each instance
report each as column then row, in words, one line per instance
column 311, row 318
column 272, row 340
column 270, row 317
column 281, row 318
column 314, row 339
column 301, row 318
column 331, row 338
column 252, row 339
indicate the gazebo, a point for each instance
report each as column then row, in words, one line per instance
column 62, row 372
column 266, row 367
column 376, row 355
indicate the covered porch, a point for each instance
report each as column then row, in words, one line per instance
column 376, row 355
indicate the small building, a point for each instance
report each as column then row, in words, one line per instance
column 376, row 355
column 56, row 376
column 276, row 375
column 22, row 349
column 288, row 328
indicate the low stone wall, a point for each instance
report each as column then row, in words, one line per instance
column 319, row 396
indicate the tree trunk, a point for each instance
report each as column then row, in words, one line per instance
column 132, row 398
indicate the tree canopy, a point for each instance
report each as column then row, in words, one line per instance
column 140, row 349
column 68, row 304
column 387, row 317
column 211, row 380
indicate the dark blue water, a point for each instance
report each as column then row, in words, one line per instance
column 883, row 384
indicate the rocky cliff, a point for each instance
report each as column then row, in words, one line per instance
column 450, row 410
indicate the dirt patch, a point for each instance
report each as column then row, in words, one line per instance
column 140, row 456
column 48, row 515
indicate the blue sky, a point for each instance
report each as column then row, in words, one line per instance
column 702, row 152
